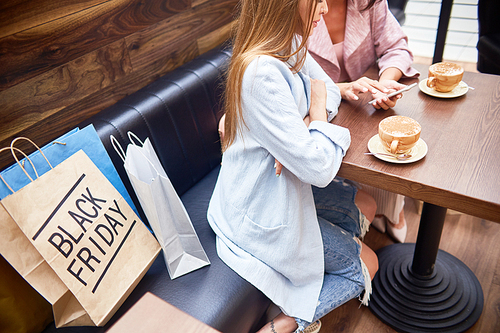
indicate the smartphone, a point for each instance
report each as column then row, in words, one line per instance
column 396, row 92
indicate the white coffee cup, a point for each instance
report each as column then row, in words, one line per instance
column 399, row 133
column 444, row 76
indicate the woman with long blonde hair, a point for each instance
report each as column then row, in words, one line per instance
column 278, row 106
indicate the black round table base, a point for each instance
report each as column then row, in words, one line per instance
column 450, row 300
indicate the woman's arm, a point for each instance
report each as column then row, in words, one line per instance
column 315, row 71
column 391, row 73
column 395, row 60
column 273, row 120
column 391, row 43
column 316, row 111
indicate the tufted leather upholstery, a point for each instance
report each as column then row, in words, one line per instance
column 179, row 113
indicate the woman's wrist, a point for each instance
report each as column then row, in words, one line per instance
column 343, row 87
column 391, row 73
column 318, row 113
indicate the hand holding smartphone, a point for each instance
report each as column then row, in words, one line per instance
column 396, row 92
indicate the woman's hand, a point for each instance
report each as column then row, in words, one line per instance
column 351, row 90
column 381, row 98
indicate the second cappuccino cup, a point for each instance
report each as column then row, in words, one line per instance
column 444, row 76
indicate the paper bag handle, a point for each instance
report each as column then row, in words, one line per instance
column 118, row 148
column 22, row 167
column 132, row 136
column 34, row 144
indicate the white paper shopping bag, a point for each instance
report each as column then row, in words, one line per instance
column 163, row 208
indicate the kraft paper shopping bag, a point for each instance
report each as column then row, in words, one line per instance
column 87, row 235
column 16, row 248
column 57, row 151
column 163, row 208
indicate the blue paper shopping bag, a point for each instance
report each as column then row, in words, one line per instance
column 57, row 151
column 74, row 238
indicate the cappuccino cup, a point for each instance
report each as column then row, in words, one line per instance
column 444, row 76
column 399, row 134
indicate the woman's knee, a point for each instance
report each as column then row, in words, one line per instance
column 370, row 259
column 366, row 204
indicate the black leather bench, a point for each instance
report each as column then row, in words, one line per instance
column 488, row 45
column 179, row 113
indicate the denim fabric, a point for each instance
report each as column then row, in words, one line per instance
column 339, row 220
column 335, row 203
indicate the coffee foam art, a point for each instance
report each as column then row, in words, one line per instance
column 400, row 126
column 446, row 68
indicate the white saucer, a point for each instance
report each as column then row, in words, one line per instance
column 418, row 151
column 459, row 90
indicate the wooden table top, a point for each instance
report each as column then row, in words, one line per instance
column 152, row 314
column 461, row 170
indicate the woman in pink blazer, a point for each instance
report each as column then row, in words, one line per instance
column 355, row 35
column 352, row 37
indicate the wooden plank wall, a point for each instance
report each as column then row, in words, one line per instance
column 63, row 61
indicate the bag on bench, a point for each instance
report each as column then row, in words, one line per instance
column 75, row 239
column 162, row 206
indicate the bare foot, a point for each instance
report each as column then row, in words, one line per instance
column 281, row 323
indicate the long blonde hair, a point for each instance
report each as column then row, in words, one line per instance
column 264, row 27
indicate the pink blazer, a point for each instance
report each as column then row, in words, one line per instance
column 370, row 36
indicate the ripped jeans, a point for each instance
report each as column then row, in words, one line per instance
column 341, row 224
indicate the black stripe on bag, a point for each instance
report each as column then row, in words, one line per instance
column 58, row 207
column 113, row 257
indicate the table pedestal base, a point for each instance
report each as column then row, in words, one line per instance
column 448, row 300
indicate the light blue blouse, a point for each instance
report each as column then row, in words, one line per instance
column 266, row 226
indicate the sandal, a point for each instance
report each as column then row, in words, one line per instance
column 382, row 224
column 313, row 328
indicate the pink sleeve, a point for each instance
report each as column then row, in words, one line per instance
column 391, row 43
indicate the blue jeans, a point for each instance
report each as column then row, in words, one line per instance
column 341, row 223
